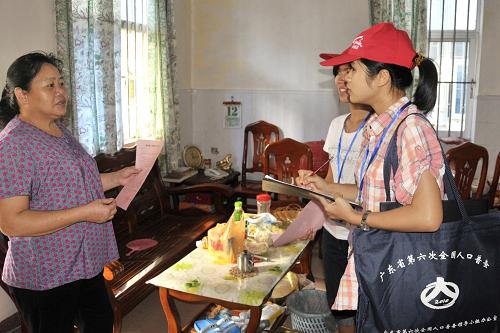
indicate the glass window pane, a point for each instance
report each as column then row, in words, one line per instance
column 447, row 21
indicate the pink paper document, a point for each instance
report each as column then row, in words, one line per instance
column 311, row 216
column 145, row 156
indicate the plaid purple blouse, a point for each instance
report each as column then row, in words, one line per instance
column 56, row 173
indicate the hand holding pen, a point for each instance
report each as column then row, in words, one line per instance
column 310, row 180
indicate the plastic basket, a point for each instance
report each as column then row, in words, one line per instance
column 309, row 311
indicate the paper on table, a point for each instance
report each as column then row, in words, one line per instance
column 311, row 216
column 146, row 153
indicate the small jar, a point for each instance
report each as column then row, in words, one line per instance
column 263, row 203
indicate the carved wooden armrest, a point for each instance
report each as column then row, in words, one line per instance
column 112, row 270
column 226, row 190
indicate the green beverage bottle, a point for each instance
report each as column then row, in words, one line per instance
column 238, row 211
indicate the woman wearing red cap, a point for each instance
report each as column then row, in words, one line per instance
column 343, row 145
column 381, row 60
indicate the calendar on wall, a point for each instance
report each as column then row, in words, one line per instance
column 232, row 113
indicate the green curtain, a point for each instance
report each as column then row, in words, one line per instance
column 162, row 85
column 408, row 15
column 89, row 34
column 88, row 40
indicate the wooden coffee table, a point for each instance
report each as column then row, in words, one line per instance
column 214, row 284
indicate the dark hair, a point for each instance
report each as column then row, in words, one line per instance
column 335, row 70
column 20, row 74
column 401, row 77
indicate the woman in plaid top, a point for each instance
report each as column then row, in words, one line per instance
column 381, row 60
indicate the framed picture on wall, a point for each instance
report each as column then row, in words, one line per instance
column 232, row 114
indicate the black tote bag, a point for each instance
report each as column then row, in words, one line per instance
column 448, row 280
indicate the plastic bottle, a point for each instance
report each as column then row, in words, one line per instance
column 237, row 233
column 238, row 211
column 263, row 203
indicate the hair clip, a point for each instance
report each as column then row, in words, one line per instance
column 419, row 57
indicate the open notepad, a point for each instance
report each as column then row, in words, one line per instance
column 271, row 184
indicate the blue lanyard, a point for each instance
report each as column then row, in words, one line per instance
column 340, row 167
column 362, row 172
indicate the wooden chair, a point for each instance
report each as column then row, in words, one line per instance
column 319, row 157
column 283, row 159
column 463, row 162
column 262, row 134
column 154, row 213
column 493, row 192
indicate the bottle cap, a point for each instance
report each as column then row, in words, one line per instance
column 238, row 204
column 263, row 197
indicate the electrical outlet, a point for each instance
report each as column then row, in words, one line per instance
column 214, row 150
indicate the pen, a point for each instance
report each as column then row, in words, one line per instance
column 322, row 165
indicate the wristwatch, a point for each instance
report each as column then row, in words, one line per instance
column 363, row 224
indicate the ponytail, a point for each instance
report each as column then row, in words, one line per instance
column 8, row 106
column 426, row 91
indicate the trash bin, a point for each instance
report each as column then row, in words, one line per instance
column 309, row 312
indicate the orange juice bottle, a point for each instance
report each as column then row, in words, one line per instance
column 237, row 231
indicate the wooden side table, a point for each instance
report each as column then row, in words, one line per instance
column 200, row 178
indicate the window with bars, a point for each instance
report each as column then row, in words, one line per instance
column 139, row 68
column 453, row 43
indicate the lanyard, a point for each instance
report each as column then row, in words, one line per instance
column 340, row 167
column 363, row 170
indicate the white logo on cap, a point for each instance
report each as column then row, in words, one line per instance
column 431, row 297
column 356, row 43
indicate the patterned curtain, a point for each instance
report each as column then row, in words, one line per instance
column 408, row 15
column 88, row 41
column 150, row 101
column 169, row 66
column 121, row 73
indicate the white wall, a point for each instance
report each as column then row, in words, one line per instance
column 26, row 25
column 265, row 54
column 488, row 99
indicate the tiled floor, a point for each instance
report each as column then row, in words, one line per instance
column 148, row 317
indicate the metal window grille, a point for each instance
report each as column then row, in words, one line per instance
column 134, row 57
column 453, row 38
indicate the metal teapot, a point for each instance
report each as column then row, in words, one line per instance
column 245, row 262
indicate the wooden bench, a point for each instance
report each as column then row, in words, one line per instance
column 152, row 214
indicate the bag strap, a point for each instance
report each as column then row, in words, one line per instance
column 391, row 163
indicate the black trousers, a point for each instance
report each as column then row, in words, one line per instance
column 334, row 265
column 83, row 302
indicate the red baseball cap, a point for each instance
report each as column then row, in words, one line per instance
column 382, row 42
column 327, row 56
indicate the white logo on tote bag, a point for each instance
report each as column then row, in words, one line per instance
column 440, row 294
